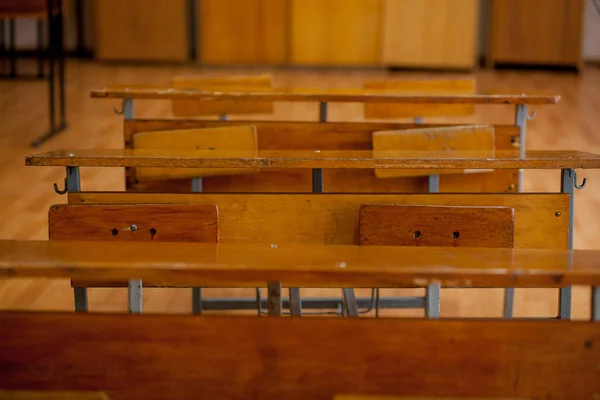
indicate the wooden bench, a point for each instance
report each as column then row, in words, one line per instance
column 158, row 356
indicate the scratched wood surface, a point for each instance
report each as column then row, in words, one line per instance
column 461, row 86
column 191, row 108
column 153, row 223
column 303, row 135
column 454, row 226
column 438, row 139
column 234, row 357
column 253, row 265
column 28, row 194
column 242, row 139
column 534, row 159
column 316, row 95
column 541, row 220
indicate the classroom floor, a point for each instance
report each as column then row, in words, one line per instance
column 27, row 192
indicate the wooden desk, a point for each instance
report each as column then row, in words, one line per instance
column 254, row 265
column 534, row 159
column 315, row 95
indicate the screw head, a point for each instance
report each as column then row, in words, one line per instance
column 511, row 186
column 558, row 214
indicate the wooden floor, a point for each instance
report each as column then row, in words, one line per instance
column 27, row 191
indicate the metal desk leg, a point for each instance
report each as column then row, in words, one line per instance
column 351, row 307
column 568, row 185
column 432, row 301
column 134, row 290
column 295, row 302
column 197, row 291
column 521, row 117
column 275, row 303
column 596, row 303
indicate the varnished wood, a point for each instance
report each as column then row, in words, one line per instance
column 254, row 265
column 231, row 32
column 27, row 192
column 153, row 223
column 534, row 159
column 191, row 108
column 547, row 32
column 276, row 135
column 431, row 33
column 454, row 226
column 316, row 95
column 333, row 218
column 450, row 139
column 464, row 86
column 228, row 357
column 335, row 32
column 242, row 139
column 130, row 30
column 51, row 395
column 375, row 397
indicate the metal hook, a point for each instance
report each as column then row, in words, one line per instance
column 532, row 116
column 122, row 109
column 61, row 192
column 575, row 181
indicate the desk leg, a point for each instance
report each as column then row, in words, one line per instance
column 350, row 305
column 274, row 299
column 521, row 117
column 197, row 291
column 596, row 303
column 433, row 291
column 134, row 290
column 567, row 185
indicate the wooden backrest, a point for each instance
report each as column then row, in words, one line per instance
column 241, row 138
column 541, row 220
column 452, row 138
column 229, row 358
column 51, row 395
column 135, row 223
column 440, row 226
column 273, row 135
column 464, row 86
column 192, row 108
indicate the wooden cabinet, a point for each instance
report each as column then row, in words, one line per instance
column 536, row 32
column 430, row 33
column 141, row 30
column 242, row 32
column 335, row 32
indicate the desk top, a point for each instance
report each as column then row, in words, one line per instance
column 316, row 95
column 247, row 265
column 356, row 159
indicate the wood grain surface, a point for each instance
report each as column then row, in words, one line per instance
column 303, row 135
column 231, row 358
column 153, row 222
column 240, row 138
column 438, row 139
column 191, row 108
column 454, row 226
column 541, row 220
column 459, row 86
column 535, row 159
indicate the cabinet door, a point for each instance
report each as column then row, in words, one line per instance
column 537, row 31
column 242, row 32
column 430, row 33
column 336, row 32
column 141, row 30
